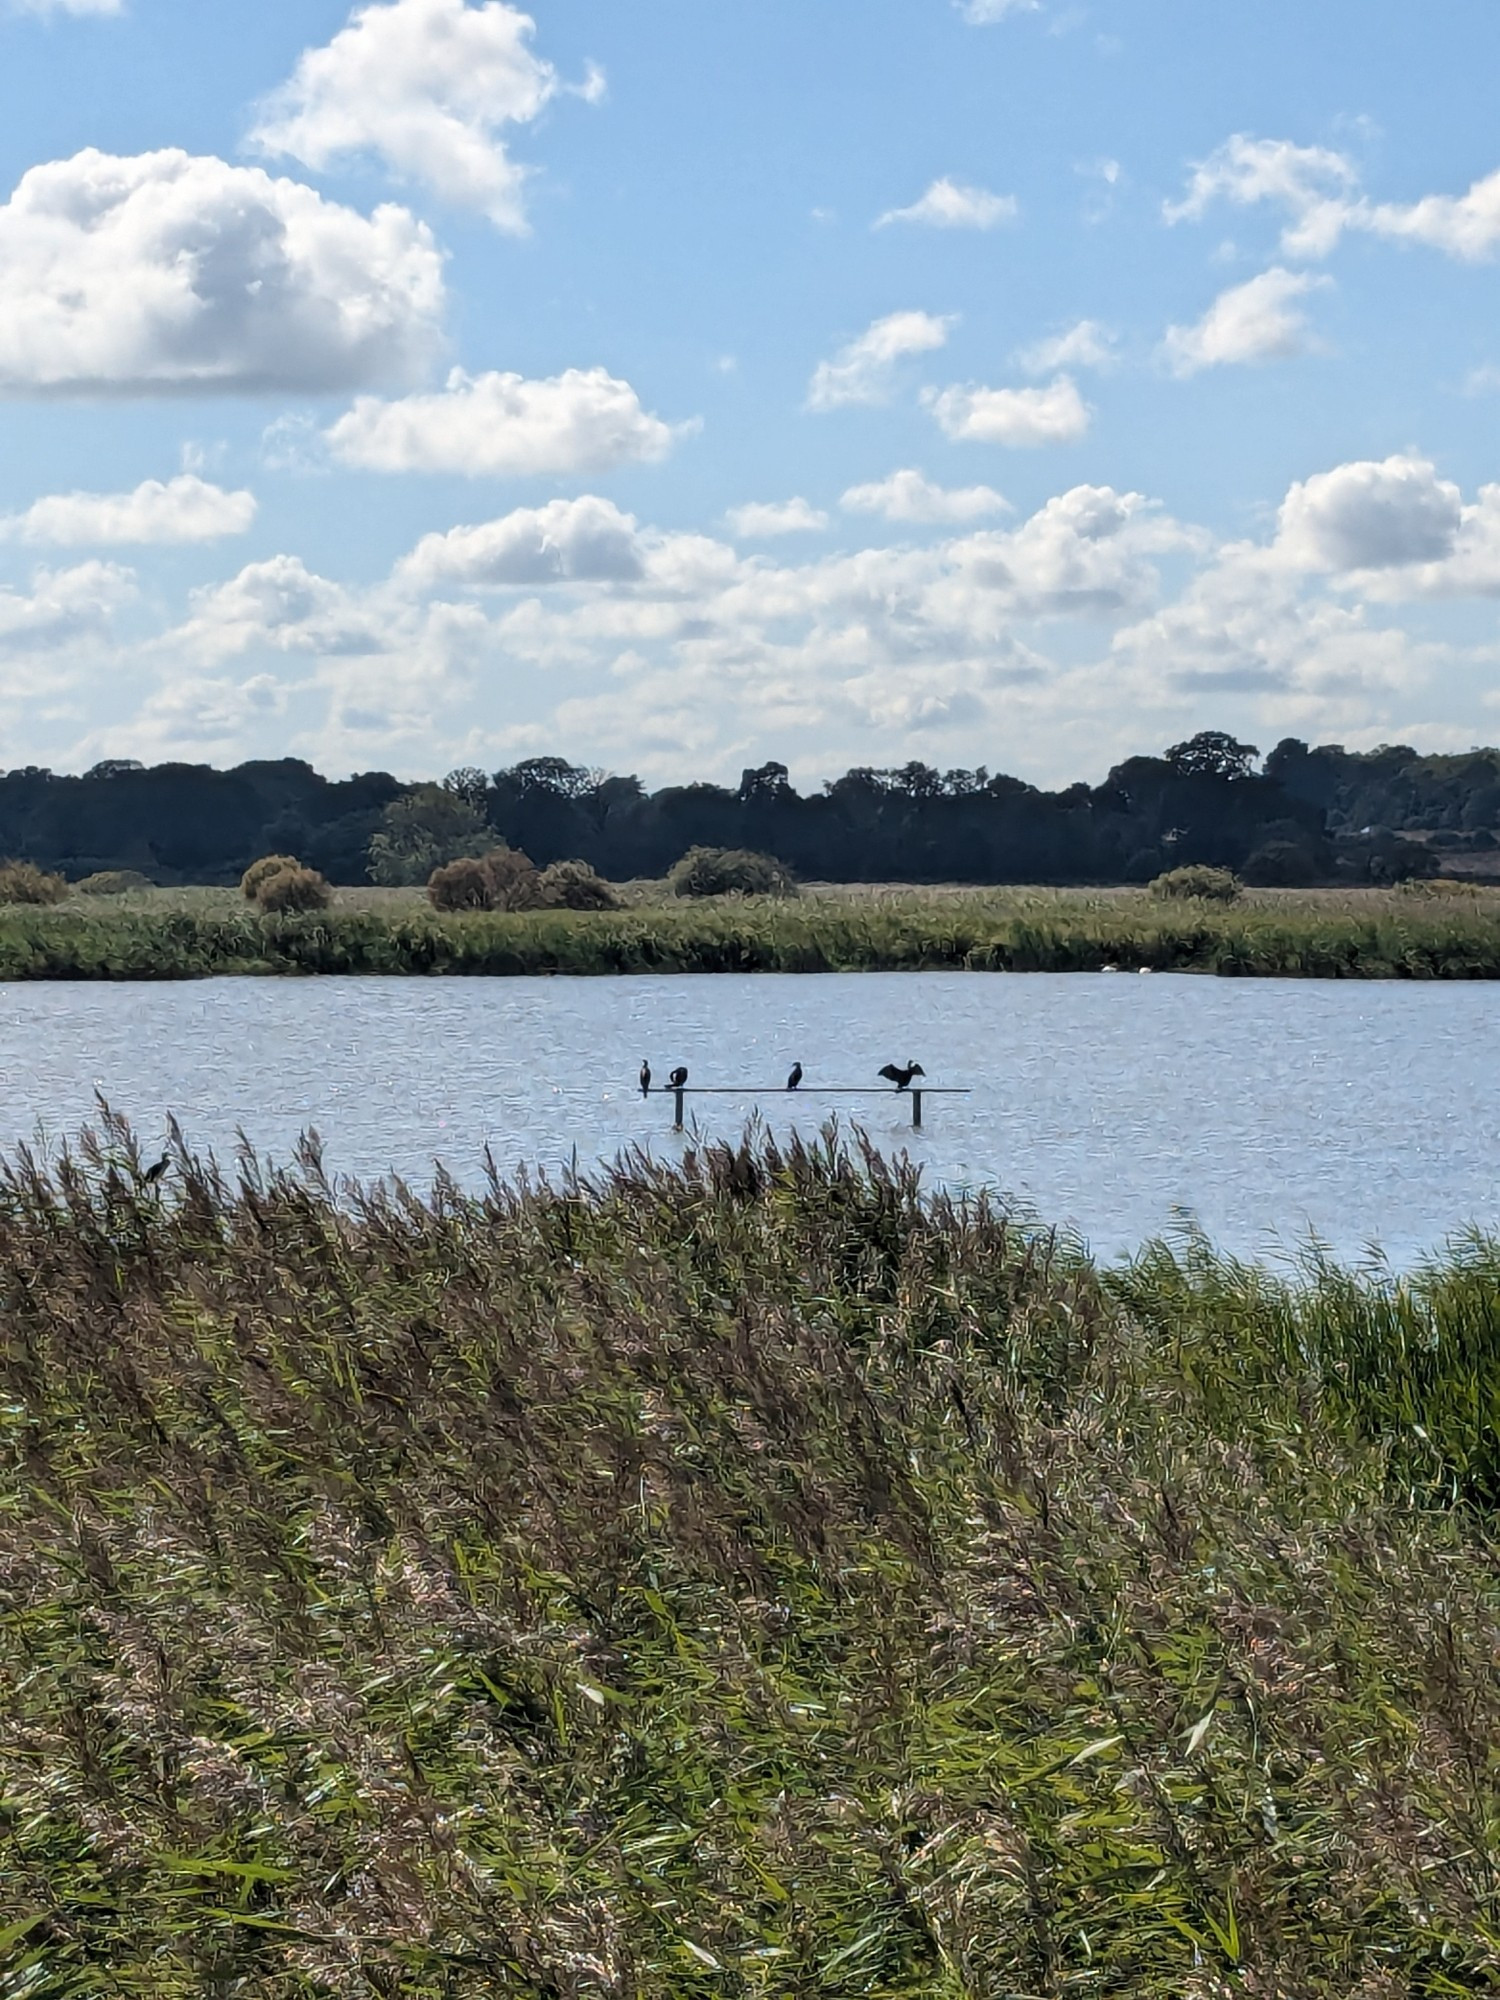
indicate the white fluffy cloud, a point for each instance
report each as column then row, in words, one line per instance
column 62, row 606
column 863, row 371
column 166, row 271
column 909, row 496
column 568, row 541
column 585, row 420
column 185, row 509
column 1085, row 345
column 1253, row 322
column 1320, row 190
column 948, row 204
column 1371, row 516
column 1016, row 418
column 761, row 520
column 426, row 86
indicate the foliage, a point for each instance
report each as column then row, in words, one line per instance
column 1207, row 885
column 293, row 890
column 1395, row 935
column 1281, row 864
column 573, row 885
column 1212, row 754
column 424, row 830
column 462, row 885
column 514, row 881
column 729, row 871
column 22, row 882
column 739, row 1577
column 261, row 871
column 113, row 882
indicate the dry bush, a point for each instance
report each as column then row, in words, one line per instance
column 262, row 870
column 1197, row 884
column 24, row 882
column 574, row 885
column 293, row 889
column 514, row 881
column 462, row 885
column 114, row 882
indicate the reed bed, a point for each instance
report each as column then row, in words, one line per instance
column 1384, row 936
column 743, row 1577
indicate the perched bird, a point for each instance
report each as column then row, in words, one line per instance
column 678, row 1079
column 154, row 1174
column 794, row 1081
column 645, row 1079
column 902, row 1077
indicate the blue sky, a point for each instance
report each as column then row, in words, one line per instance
column 673, row 387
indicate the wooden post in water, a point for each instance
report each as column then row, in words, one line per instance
column 916, row 1111
column 679, row 1095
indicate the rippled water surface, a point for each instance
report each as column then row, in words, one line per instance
column 1264, row 1108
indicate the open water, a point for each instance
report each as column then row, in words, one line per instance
column 1119, row 1106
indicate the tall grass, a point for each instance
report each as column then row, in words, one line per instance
column 1390, row 937
column 741, row 1578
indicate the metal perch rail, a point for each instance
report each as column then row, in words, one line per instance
column 679, row 1092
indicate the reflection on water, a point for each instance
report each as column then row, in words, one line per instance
column 1264, row 1108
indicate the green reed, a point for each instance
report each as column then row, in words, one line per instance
column 1384, row 937
column 741, row 1577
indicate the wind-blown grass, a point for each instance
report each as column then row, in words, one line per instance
column 741, row 1578
column 1386, row 937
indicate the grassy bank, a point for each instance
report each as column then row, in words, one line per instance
column 180, row 935
column 740, row 1579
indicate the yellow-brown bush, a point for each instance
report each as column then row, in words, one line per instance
column 262, row 870
column 503, row 879
column 24, row 882
column 293, row 889
column 114, row 882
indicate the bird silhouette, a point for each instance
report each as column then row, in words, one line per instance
column 794, row 1081
column 678, row 1078
column 154, row 1174
column 645, row 1079
column 902, row 1077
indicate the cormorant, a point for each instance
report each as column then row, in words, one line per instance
column 645, row 1079
column 154, row 1174
column 678, row 1079
column 794, row 1081
column 902, row 1077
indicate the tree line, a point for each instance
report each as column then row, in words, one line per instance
column 1302, row 815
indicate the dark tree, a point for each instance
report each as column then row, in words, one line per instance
column 1212, row 754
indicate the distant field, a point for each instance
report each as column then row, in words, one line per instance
column 1426, row 931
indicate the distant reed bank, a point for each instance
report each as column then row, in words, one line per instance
column 1395, row 937
column 739, row 1577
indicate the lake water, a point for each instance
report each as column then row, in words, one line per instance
column 1367, row 1113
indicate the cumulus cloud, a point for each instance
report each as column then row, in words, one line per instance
column 909, row 496
column 62, row 606
column 169, row 272
column 1371, row 515
column 863, row 371
column 494, row 425
column 948, row 204
column 185, row 509
column 1320, row 190
column 1086, row 345
column 427, row 87
column 568, row 541
column 760, row 520
column 1253, row 322
column 1016, row 418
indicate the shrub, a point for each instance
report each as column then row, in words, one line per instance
column 423, row 830
column 729, row 871
column 114, row 882
column 1282, row 864
column 23, row 882
column 1200, row 884
column 262, row 870
column 503, row 879
column 462, row 885
column 292, row 889
column 573, row 885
